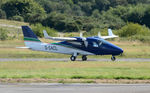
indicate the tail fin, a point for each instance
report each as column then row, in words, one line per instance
column 110, row 33
column 29, row 35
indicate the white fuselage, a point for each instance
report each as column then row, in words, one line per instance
column 39, row 46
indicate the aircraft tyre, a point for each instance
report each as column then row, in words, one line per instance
column 72, row 58
column 84, row 58
column 113, row 58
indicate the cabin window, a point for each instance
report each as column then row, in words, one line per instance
column 95, row 44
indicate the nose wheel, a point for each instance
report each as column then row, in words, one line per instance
column 113, row 58
column 73, row 58
column 84, row 58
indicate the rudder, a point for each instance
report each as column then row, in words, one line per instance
column 29, row 34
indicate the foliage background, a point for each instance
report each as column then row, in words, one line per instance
column 129, row 18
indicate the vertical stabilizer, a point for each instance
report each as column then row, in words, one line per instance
column 29, row 35
column 30, row 39
column 110, row 33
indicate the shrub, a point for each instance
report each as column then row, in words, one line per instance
column 3, row 34
column 2, row 14
column 38, row 30
column 17, row 18
column 132, row 29
column 145, row 39
column 94, row 32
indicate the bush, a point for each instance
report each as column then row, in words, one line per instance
column 2, row 14
column 141, row 38
column 38, row 30
column 94, row 32
column 3, row 34
column 17, row 18
column 132, row 29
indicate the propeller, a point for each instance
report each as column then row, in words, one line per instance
column 84, row 39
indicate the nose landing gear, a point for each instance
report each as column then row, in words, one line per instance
column 113, row 58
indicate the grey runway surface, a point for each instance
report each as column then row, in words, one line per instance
column 67, row 59
column 74, row 88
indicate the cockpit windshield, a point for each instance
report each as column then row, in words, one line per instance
column 99, row 42
column 102, row 41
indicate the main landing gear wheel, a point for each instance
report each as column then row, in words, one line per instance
column 84, row 58
column 113, row 58
column 72, row 58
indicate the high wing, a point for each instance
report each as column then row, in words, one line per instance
column 58, row 38
column 110, row 35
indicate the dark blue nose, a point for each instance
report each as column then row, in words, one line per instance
column 120, row 51
column 117, row 50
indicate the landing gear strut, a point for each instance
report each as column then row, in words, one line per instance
column 73, row 58
column 84, row 58
column 113, row 58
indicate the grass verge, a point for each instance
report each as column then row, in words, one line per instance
column 75, row 70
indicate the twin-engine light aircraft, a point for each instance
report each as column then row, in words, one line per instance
column 73, row 45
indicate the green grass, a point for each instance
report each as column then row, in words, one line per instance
column 11, row 22
column 75, row 70
column 134, row 49
column 11, row 27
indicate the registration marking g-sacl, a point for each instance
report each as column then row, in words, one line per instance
column 50, row 47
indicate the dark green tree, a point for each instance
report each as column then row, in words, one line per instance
column 136, row 14
column 2, row 14
column 146, row 18
column 28, row 9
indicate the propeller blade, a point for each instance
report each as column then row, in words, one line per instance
column 84, row 39
column 81, row 34
column 85, row 43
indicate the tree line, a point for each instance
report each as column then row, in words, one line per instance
column 77, row 15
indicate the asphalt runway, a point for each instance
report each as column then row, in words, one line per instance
column 68, row 59
column 74, row 88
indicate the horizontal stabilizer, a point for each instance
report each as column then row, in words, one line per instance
column 58, row 38
column 110, row 35
column 23, row 47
